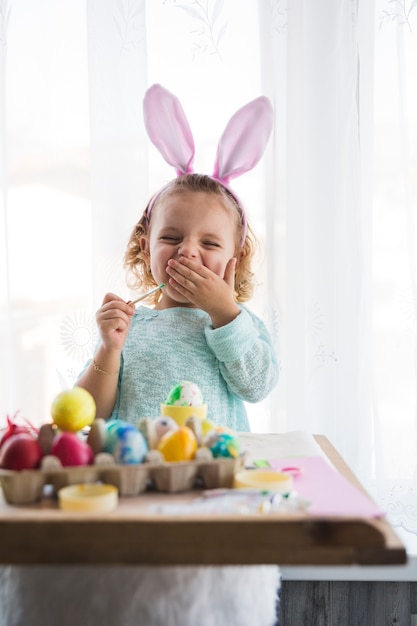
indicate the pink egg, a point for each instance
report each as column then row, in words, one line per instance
column 164, row 425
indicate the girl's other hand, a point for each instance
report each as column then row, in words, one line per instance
column 205, row 289
column 113, row 321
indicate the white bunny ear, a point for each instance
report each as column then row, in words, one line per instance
column 168, row 128
column 244, row 140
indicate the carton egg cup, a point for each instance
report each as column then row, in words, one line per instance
column 26, row 486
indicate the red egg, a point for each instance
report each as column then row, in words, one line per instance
column 20, row 451
column 71, row 450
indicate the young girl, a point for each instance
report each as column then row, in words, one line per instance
column 193, row 236
column 197, row 330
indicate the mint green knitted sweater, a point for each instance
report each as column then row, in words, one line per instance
column 231, row 364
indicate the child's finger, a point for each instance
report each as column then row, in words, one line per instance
column 111, row 297
column 229, row 274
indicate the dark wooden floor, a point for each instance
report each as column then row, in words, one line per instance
column 338, row 603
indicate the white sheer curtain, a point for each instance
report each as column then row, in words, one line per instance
column 333, row 200
column 327, row 260
column 394, row 248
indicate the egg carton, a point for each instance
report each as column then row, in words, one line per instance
column 27, row 486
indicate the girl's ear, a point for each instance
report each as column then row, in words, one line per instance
column 144, row 243
column 240, row 255
column 144, row 247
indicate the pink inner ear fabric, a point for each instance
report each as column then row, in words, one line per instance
column 244, row 140
column 168, row 128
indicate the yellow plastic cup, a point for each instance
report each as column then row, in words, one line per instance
column 88, row 498
column 263, row 480
column 180, row 414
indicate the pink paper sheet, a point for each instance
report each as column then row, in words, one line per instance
column 328, row 491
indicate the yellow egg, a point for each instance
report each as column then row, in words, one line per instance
column 207, row 426
column 74, row 409
column 178, row 445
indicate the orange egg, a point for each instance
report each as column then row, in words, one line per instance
column 178, row 445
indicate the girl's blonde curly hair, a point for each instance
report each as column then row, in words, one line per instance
column 137, row 263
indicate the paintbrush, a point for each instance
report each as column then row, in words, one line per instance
column 145, row 295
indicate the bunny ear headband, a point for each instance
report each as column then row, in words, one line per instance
column 241, row 145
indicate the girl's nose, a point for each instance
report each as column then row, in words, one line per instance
column 188, row 249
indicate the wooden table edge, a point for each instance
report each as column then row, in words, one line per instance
column 111, row 540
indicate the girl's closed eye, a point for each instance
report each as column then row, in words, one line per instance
column 170, row 238
column 211, row 244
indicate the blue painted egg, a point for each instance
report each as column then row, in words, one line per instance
column 125, row 442
column 224, row 445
